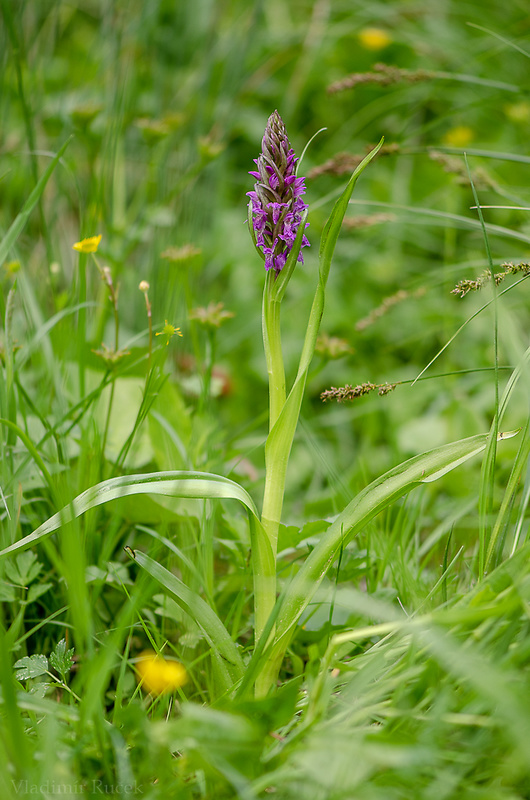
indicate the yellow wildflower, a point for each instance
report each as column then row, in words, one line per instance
column 89, row 245
column 169, row 330
column 158, row 675
column 374, row 38
column 460, row 136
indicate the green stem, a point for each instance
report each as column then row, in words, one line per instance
column 209, row 362
column 150, row 321
column 64, row 686
column 276, row 470
column 114, row 300
column 277, row 455
column 264, row 555
column 81, row 322
column 272, row 343
column 107, row 424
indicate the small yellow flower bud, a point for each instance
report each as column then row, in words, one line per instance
column 144, row 286
column 89, row 245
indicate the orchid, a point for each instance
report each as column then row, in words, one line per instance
column 276, row 204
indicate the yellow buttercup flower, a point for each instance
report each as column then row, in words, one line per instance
column 159, row 676
column 89, row 245
column 374, row 38
column 169, row 330
column 460, row 136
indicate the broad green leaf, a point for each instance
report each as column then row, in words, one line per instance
column 423, row 468
column 175, row 484
column 170, row 428
column 7, row 593
column 220, row 640
column 36, row 590
column 61, row 659
column 42, row 706
column 127, row 399
column 31, row 667
column 216, row 743
column 25, row 570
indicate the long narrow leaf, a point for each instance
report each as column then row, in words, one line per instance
column 20, row 220
column 374, row 498
column 520, row 464
column 280, row 439
column 212, row 627
column 178, row 483
column 331, row 231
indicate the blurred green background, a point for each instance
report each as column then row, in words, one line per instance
column 167, row 103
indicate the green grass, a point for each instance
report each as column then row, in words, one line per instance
column 406, row 675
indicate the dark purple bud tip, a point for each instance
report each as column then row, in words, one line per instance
column 276, row 202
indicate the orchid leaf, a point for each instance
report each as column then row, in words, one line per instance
column 331, row 231
column 365, row 506
column 179, row 483
column 281, row 436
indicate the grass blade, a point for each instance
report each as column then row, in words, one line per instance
column 214, row 630
column 179, row 483
column 20, row 220
column 378, row 495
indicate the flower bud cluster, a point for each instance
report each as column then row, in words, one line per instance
column 276, row 202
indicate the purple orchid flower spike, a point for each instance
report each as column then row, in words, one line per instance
column 276, row 206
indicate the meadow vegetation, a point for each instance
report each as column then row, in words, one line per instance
column 144, row 650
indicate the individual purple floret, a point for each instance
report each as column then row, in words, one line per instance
column 276, row 202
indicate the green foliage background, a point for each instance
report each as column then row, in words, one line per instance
column 166, row 103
